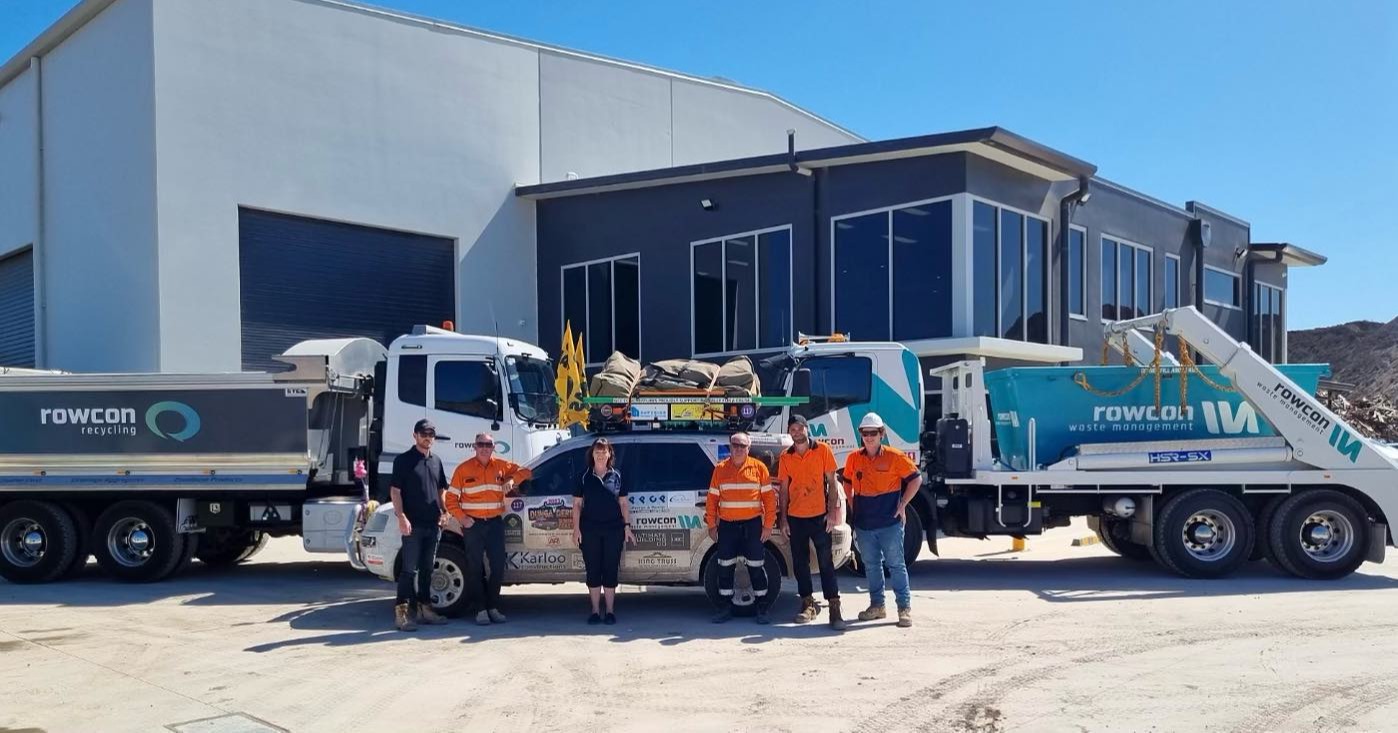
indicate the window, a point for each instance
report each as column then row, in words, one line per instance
column 741, row 292
column 558, row 475
column 412, row 380
column 531, row 388
column 602, row 301
column 1128, row 295
column 1172, row 281
column 662, row 467
column 892, row 276
column 831, row 382
column 1268, row 326
column 466, row 388
column 1077, row 273
column 1011, row 281
column 1222, row 288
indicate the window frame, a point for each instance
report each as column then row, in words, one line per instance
column 1086, row 245
column 587, row 301
column 887, row 211
column 1049, row 310
column 1237, row 278
column 437, row 361
column 1150, row 297
column 1278, row 350
column 756, row 235
column 1179, row 280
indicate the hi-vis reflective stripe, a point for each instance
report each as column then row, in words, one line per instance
column 740, row 487
column 725, row 591
column 728, row 562
column 453, row 491
column 482, row 488
column 726, row 504
column 765, row 489
column 483, row 505
column 714, row 491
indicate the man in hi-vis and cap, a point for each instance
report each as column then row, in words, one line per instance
column 740, row 513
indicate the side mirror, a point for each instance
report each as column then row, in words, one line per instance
column 801, row 383
column 494, row 410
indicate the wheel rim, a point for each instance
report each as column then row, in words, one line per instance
column 1327, row 536
column 130, row 542
column 1209, row 535
column 23, row 542
column 448, row 583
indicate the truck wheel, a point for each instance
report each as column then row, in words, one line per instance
column 137, row 541
column 222, row 547
column 82, row 522
column 913, row 536
column 1203, row 533
column 37, row 542
column 1319, row 534
column 1262, row 548
column 449, row 579
column 744, row 602
column 1115, row 535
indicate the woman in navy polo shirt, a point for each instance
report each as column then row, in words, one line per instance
column 601, row 524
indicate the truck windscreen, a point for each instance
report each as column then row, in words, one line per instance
column 532, row 390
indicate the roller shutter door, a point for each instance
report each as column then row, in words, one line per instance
column 17, row 310
column 306, row 278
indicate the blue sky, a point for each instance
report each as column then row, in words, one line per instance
column 1283, row 113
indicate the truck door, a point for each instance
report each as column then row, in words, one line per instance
column 840, row 389
column 465, row 397
column 539, row 523
column 668, row 484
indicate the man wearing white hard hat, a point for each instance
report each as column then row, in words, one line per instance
column 879, row 482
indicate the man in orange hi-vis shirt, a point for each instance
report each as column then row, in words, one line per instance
column 740, row 512
column 476, row 498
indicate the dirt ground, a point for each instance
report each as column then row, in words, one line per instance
column 1058, row 638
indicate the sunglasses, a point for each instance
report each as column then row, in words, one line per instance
column 869, row 433
column 483, row 444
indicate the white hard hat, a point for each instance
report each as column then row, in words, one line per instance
column 872, row 421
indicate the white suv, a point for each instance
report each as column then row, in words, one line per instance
column 667, row 475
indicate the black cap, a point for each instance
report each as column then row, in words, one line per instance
column 425, row 427
column 796, row 419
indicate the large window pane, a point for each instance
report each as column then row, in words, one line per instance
column 598, row 336
column 412, row 380
column 627, row 306
column 575, row 298
column 1221, row 287
column 774, row 290
column 1109, row 311
column 708, row 298
column 466, row 388
column 983, row 269
column 1077, row 255
column 1126, row 282
column 1262, row 304
column 1143, row 273
column 1036, row 280
column 1172, row 282
column 741, row 304
column 832, row 382
column 1278, row 327
column 1011, row 275
column 861, row 277
column 922, row 271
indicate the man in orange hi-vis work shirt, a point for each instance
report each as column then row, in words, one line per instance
column 740, row 513
column 879, row 482
column 476, row 498
column 810, row 510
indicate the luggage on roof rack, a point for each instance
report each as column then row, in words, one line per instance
column 692, row 410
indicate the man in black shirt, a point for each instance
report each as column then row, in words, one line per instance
column 416, row 490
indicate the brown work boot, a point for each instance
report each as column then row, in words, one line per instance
column 873, row 613
column 428, row 615
column 905, row 617
column 809, row 610
column 402, row 619
column 837, row 622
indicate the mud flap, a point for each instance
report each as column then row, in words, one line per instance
column 1378, row 542
column 934, row 527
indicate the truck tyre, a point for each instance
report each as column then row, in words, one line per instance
column 744, row 602
column 1115, row 535
column 82, row 522
column 37, row 542
column 1262, row 548
column 914, row 539
column 137, row 541
column 223, row 547
column 1319, row 534
column 449, row 579
column 1203, row 533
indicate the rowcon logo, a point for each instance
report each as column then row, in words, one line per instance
column 100, row 421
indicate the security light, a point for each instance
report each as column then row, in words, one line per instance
column 706, row 204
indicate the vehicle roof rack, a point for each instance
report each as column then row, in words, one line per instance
column 681, row 410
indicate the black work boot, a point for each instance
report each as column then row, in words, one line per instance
column 762, row 616
column 724, row 614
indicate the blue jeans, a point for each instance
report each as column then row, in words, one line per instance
column 880, row 547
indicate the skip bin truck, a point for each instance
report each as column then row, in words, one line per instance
column 147, row 471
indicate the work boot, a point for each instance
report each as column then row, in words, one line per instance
column 427, row 615
column 873, row 613
column 762, row 619
column 483, row 618
column 724, row 614
column 905, row 617
column 496, row 616
column 837, row 622
column 809, row 610
column 402, row 619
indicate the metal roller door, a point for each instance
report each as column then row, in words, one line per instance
column 17, row 310
column 306, row 278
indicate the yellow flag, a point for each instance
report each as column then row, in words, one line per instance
column 579, row 375
column 563, row 373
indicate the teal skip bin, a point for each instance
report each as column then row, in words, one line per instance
column 1067, row 415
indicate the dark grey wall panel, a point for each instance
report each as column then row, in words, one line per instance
column 304, row 278
column 17, row 310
